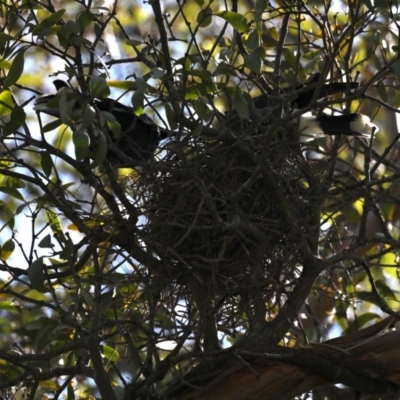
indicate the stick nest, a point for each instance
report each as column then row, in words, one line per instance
column 223, row 210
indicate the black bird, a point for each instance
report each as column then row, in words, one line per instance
column 139, row 135
column 314, row 127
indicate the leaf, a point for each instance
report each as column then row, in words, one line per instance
column 5, row 38
column 253, row 61
column 88, row 116
column 51, row 126
column 240, row 104
column 7, row 214
column 63, row 107
column 55, row 225
column 109, row 353
column 46, row 162
column 16, row 69
column 36, row 275
column 113, row 125
column 260, row 8
column 99, row 87
column 204, row 17
column 17, row 118
column 85, row 18
column 124, row 85
column 68, row 249
column 81, row 143
column 203, row 110
column 238, row 21
column 6, row 102
column 48, row 22
column 101, row 151
column 45, row 243
column 7, row 249
column 138, row 102
column 12, row 192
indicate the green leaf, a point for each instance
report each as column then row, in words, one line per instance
column 203, row 110
column 109, row 353
column 124, row 85
column 63, row 107
column 7, row 249
column 7, row 214
column 134, row 42
column 52, row 125
column 225, row 69
column 204, row 17
column 240, row 104
column 115, row 129
column 85, row 18
column 138, row 102
column 101, row 151
column 68, row 249
column 55, row 225
column 12, row 192
column 88, row 116
column 12, row 182
column 45, row 243
column 46, row 162
column 252, row 40
column 5, row 64
column 81, row 143
column 5, row 38
column 6, row 102
column 47, row 23
column 36, row 275
column 16, row 69
column 99, row 87
column 253, row 61
column 260, row 8
column 17, row 118
column 238, row 21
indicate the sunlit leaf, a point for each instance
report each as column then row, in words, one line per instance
column 238, row 21
column 55, row 225
column 7, row 249
column 6, row 102
column 109, row 353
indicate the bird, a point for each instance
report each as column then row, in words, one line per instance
column 139, row 136
column 313, row 127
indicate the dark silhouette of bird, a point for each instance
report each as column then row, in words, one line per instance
column 312, row 127
column 139, row 136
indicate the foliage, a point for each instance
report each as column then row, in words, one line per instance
column 234, row 242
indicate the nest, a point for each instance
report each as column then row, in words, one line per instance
column 215, row 209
